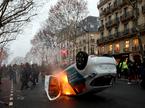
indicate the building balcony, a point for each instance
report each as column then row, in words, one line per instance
column 92, row 40
column 101, row 3
column 108, row 24
column 127, row 16
column 143, row 9
column 126, row 32
column 112, row 23
column 117, row 36
column 105, row 39
column 102, row 12
column 135, row 49
column 108, row 10
column 110, row 37
column 129, row 32
column 100, row 41
column 142, row 27
column 101, row 28
column 122, row 3
column 115, row 6
column 115, row 22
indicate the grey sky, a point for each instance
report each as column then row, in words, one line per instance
column 22, row 45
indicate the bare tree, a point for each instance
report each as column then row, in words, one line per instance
column 13, row 15
column 66, row 14
column 3, row 55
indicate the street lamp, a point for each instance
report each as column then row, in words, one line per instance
column 133, row 3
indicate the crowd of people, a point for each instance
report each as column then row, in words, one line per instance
column 24, row 73
column 29, row 73
column 132, row 70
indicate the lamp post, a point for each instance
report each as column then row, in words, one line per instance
column 133, row 3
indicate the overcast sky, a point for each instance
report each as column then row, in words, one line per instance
column 22, row 45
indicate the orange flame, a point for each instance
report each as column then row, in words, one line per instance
column 65, row 86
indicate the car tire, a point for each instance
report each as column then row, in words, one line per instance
column 81, row 60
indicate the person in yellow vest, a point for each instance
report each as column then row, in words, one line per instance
column 124, row 68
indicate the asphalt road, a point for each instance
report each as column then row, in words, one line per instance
column 120, row 95
column 5, row 88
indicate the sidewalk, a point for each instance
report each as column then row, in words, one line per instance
column 5, row 91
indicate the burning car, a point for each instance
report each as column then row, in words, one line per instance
column 89, row 74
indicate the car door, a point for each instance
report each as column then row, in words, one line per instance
column 52, row 87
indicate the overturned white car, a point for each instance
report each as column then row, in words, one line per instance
column 90, row 74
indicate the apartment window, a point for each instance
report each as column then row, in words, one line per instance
column 102, row 33
column 76, row 51
column 109, row 32
column 116, row 15
column 103, row 49
column 125, row 26
column 135, row 42
column 109, row 18
column 125, row 10
column 81, row 30
column 117, row 47
column 127, row 44
column 116, row 29
column 110, row 48
column 92, row 35
column 91, row 26
column 109, row 5
column 85, row 27
column 92, row 49
column 85, row 48
column 92, row 40
column 101, row 22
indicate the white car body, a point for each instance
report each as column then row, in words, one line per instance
column 96, row 76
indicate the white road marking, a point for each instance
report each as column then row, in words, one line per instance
column 12, row 91
column 11, row 98
column 10, row 103
column 11, row 95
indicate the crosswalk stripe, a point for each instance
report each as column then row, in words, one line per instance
column 10, row 103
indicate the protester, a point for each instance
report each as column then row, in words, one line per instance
column 143, row 74
column 33, row 74
column 1, row 75
column 25, row 76
column 130, row 71
column 124, row 68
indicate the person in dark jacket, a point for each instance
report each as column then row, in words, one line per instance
column 130, row 71
column 143, row 74
column 1, row 70
column 25, row 76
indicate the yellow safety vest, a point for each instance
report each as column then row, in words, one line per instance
column 124, row 65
